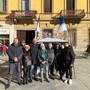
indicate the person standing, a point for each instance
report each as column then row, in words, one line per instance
column 15, row 55
column 26, row 64
column 34, row 56
column 43, row 59
column 58, row 60
column 4, row 49
column 68, row 58
column 51, row 62
column 23, row 43
column 88, row 51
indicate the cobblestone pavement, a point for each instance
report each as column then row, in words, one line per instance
column 82, row 81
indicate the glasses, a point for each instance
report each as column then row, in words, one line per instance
column 23, row 42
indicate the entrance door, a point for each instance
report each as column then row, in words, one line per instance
column 25, row 35
column 29, row 36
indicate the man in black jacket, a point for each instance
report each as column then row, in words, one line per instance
column 15, row 56
column 34, row 56
column 68, row 57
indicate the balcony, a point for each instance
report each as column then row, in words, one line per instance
column 78, row 14
column 23, row 14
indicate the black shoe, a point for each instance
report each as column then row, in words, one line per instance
column 47, row 81
column 26, row 81
column 20, row 83
column 7, row 86
column 41, row 81
column 30, row 80
column 35, row 79
column 52, row 77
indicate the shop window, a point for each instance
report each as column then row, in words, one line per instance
column 4, row 39
column 47, row 33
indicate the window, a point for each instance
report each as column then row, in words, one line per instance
column 47, row 33
column 72, row 37
column 3, row 5
column 70, row 5
column 25, row 5
column 47, row 6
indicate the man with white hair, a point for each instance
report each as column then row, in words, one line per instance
column 43, row 59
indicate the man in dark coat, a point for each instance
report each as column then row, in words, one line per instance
column 51, row 62
column 15, row 56
column 34, row 56
column 68, row 57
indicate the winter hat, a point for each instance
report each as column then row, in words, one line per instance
column 27, row 46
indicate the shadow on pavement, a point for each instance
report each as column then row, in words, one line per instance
column 4, row 68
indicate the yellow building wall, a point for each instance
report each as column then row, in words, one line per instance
column 58, row 5
column 12, row 5
column 36, row 5
column 82, row 4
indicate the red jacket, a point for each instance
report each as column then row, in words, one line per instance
column 4, row 48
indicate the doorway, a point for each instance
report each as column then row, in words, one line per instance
column 29, row 36
column 26, row 35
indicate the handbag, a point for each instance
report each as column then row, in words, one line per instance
column 27, row 61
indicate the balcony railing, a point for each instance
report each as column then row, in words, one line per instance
column 3, row 13
column 24, row 14
column 71, row 14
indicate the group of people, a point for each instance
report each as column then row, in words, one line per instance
column 29, row 57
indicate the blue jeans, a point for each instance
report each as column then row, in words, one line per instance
column 35, row 70
column 11, row 69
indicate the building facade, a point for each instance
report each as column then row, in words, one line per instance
column 18, row 18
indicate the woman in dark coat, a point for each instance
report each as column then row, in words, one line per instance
column 26, row 63
column 58, row 61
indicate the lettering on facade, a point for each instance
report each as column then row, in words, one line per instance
column 4, row 31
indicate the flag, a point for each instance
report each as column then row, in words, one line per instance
column 37, row 32
column 62, row 26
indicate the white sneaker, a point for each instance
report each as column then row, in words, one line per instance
column 66, row 81
column 70, row 81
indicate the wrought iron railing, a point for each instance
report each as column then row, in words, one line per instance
column 72, row 13
column 24, row 13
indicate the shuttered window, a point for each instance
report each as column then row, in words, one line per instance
column 70, row 4
column 47, row 6
column 3, row 5
column 25, row 4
